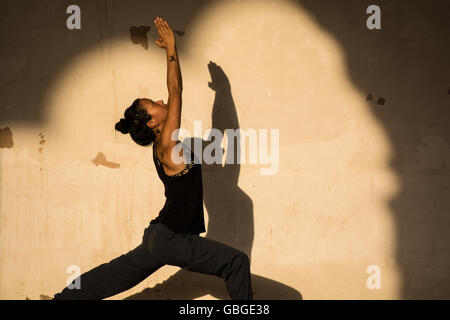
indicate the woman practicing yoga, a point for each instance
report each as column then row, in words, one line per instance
column 173, row 237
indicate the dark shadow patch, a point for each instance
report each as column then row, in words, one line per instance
column 414, row 35
column 187, row 285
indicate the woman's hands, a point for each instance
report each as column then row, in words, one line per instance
column 166, row 37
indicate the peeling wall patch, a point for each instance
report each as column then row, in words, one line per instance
column 100, row 159
column 6, row 140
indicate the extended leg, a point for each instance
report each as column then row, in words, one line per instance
column 118, row 275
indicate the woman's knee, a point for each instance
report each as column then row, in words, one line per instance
column 242, row 259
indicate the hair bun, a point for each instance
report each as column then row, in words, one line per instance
column 123, row 126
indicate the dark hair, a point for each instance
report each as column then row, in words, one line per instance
column 135, row 123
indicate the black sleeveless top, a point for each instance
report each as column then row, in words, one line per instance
column 183, row 210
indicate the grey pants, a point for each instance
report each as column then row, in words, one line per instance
column 161, row 246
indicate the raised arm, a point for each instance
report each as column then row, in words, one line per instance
column 174, row 85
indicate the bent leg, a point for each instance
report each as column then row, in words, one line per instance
column 199, row 254
column 118, row 275
column 228, row 263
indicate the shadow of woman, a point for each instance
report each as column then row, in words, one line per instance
column 230, row 210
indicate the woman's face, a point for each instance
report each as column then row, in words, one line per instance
column 157, row 110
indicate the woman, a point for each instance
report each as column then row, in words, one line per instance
column 173, row 237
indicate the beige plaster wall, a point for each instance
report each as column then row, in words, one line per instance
column 312, row 229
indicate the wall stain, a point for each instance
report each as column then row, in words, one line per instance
column 179, row 33
column 138, row 35
column 6, row 140
column 381, row 101
column 100, row 159
column 41, row 142
column 42, row 138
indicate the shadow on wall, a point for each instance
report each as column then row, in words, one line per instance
column 230, row 213
column 406, row 63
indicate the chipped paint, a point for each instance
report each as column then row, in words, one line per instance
column 138, row 35
column 100, row 160
column 6, row 140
